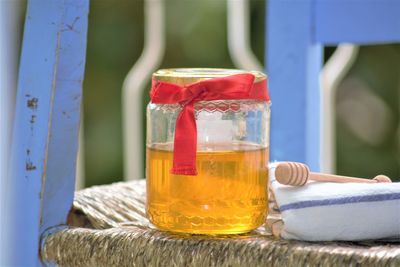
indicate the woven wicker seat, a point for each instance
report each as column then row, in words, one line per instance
column 108, row 227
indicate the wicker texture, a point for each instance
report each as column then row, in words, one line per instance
column 109, row 228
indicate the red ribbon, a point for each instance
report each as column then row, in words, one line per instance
column 239, row 86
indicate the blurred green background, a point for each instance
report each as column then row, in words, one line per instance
column 368, row 123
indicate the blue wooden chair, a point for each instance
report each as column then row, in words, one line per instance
column 45, row 136
column 296, row 34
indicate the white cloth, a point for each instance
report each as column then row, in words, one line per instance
column 338, row 211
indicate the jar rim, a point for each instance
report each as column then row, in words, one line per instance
column 183, row 76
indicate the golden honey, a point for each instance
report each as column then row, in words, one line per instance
column 228, row 196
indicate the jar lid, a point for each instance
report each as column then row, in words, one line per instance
column 184, row 76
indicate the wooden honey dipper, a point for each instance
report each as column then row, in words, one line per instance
column 297, row 174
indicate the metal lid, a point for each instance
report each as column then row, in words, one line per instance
column 183, row 76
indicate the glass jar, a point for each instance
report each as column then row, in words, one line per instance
column 229, row 193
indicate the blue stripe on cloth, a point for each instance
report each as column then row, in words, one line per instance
column 339, row 201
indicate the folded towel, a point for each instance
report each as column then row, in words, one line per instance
column 338, row 211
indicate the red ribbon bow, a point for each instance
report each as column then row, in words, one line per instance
column 239, row 86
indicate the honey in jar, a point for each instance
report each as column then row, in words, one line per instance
column 228, row 194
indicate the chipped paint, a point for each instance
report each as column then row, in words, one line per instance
column 32, row 103
column 29, row 166
column 33, row 118
column 70, row 27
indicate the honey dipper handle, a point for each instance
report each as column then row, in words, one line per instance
column 323, row 177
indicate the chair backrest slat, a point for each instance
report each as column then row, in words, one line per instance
column 357, row 21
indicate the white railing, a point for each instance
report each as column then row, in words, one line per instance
column 134, row 84
column 332, row 74
column 239, row 36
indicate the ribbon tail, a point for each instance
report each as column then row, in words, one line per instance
column 185, row 142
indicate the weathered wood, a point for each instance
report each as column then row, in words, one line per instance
column 293, row 64
column 45, row 137
column 357, row 21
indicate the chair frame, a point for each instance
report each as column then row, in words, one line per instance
column 297, row 32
